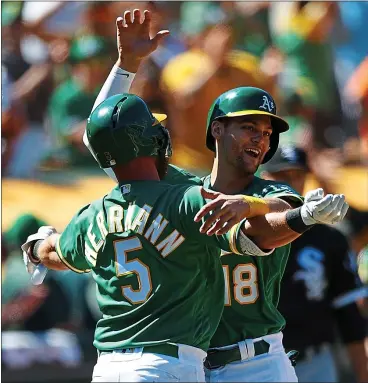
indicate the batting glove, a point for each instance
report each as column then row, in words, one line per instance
column 318, row 208
column 42, row 233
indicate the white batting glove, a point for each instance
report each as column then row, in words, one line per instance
column 314, row 195
column 329, row 209
column 42, row 233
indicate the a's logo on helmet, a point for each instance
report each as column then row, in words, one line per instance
column 136, row 134
column 267, row 105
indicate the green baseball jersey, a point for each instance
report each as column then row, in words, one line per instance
column 252, row 284
column 158, row 278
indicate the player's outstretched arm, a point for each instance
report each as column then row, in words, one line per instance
column 134, row 44
column 65, row 251
column 272, row 229
column 229, row 210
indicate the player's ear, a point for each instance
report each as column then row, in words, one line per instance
column 217, row 129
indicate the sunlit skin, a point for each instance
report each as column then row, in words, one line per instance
column 234, row 166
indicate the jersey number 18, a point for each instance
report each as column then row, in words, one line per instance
column 244, row 282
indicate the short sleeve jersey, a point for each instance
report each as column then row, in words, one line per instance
column 158, row 278
column 252, row 284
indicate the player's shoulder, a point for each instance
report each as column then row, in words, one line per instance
column 185, row 191
column 178, row 176
column 89, row 211
column 185, row 197
column 263, row 188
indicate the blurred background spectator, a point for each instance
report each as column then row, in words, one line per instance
column 321, row 281
column 311, row 56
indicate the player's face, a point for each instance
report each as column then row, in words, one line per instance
column 245, row 141
column 294, row 177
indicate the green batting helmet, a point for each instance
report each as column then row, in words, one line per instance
column 245, row 101
column 122, row 128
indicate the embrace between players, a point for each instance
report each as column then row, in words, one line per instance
column 173, row 308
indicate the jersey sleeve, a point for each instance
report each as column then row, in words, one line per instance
column 234, row 241
column 70, row 246
column 283, row 191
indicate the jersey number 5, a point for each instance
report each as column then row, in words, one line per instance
column 125, row 267
column 244, row 281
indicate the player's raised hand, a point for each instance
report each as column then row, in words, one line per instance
column 133, row 39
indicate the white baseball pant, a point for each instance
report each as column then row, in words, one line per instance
column 273, row 366
column 136, row 366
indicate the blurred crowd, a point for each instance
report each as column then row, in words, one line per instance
column 311, row 56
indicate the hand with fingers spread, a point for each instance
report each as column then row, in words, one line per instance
column 133, row 39
column 227, row 211
column 318, row 208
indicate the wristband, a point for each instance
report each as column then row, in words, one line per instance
column 122, row 72
column 257, row 206
column 295, row 221
column 34, row 253
column 118, row 81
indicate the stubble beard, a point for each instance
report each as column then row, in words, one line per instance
column 243, row 169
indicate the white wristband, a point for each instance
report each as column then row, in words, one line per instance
column 122, row 72
column 247, row 246
column 118, row 81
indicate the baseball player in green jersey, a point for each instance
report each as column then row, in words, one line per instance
column 159, row 279
column 247, row 345
column 243, row 130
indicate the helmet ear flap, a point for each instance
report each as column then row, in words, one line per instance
column 274, row 143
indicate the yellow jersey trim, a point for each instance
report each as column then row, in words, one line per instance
column 232, row 239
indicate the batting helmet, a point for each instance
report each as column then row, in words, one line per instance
column 245, row 101
column 122, row 128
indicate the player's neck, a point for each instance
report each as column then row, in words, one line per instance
column 225, row 180
column 139, row 169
